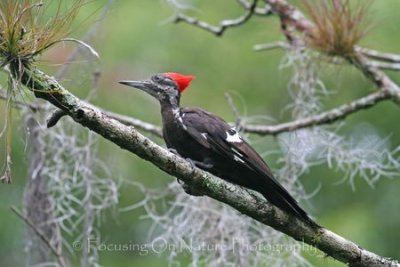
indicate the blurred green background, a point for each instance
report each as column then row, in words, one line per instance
column 138, row 39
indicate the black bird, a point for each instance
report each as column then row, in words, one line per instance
column 212, row 144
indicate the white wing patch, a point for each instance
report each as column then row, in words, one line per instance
column 233, row 137
column 236, row 158
column 204, row 135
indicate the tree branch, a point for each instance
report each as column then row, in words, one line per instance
column 270, row 46
column 259, row 11
column 56, row 116
column 235, row 111
column 378, row 77
column 289, row 13
column 385, row 65
column 293, row 20
column 56, row 252
column 391, row 61
column 327, row 117
column 225, row 24
column 372, row 63
column 129, row 121
column 254, row 206
column 381, row 56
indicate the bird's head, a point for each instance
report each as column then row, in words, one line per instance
column 163, row 86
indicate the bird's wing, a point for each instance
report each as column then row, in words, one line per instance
column 214, row 133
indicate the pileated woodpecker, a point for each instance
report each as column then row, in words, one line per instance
column 212, row 144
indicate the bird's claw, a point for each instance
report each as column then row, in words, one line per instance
column 173, row 151
column 200, row 164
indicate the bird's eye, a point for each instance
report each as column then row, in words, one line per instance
column 157, row 78
column 162, row 80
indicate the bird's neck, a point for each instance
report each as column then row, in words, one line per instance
column 170, row 111
column 170, row 102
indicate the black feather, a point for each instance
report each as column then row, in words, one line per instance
column 202, row 137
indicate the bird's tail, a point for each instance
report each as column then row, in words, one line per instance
column 281, row 198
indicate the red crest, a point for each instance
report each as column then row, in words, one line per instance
column 181, row 80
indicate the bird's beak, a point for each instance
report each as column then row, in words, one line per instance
column 143, row 85
column 146, row 86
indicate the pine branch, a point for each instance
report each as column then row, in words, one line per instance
column 46, row 87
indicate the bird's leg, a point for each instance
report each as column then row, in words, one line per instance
column 173, row 151
column 185, row 187
column 204, row 165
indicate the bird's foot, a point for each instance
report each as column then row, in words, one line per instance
column 190, row 189
column 200, row 164
column 173, row 151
